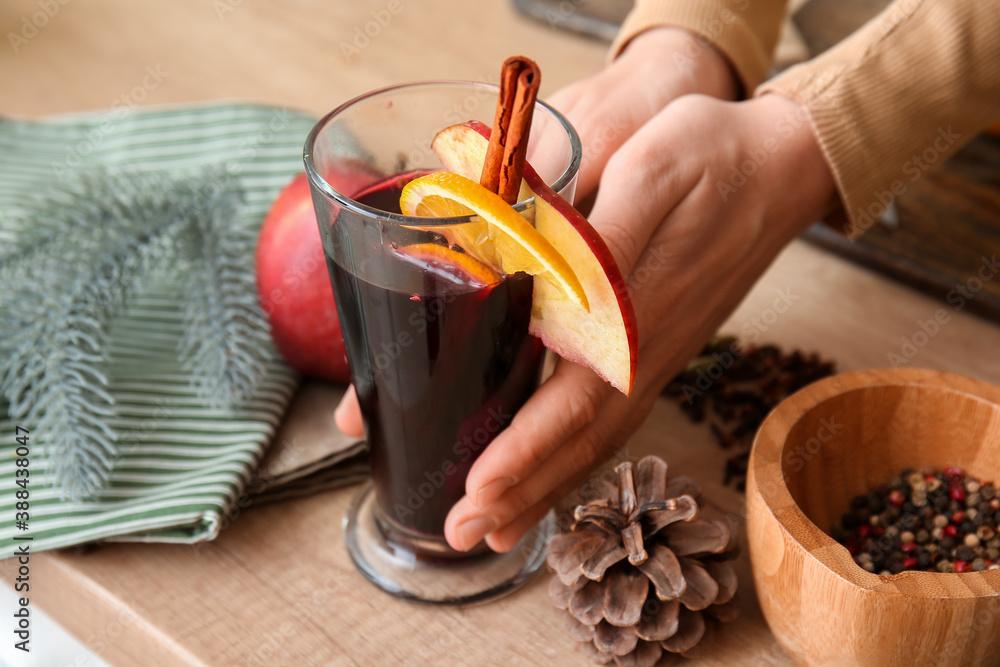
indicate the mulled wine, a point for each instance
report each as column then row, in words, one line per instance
column 441, row 360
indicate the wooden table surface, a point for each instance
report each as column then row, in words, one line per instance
column 277, row 587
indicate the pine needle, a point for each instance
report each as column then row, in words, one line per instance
column 85, row 250
column 225, row 334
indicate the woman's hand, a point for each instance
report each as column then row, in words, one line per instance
column 694, row 206
column 656, row 67
column 697, row 196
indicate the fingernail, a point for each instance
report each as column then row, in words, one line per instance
column 489, row 493
column 474, row 530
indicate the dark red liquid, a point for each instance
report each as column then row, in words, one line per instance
column 441, row 362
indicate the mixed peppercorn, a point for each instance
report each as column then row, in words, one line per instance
column 928, row 520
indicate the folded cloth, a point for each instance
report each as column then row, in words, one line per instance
column 182, row 463
column 309, row 453
column 347, row 472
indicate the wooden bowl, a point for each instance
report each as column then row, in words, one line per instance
column 833, row 440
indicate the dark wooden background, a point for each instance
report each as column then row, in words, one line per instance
column 948, row 221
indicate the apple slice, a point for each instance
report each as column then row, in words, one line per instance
column 605, row 339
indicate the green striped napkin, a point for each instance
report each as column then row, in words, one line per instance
column 183, row 463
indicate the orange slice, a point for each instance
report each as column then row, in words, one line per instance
column 501, row 238
column 603, row 337
column 454, row 266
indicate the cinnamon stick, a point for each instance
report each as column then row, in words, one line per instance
column 504, row 165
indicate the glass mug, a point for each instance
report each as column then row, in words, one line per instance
column 441, row 359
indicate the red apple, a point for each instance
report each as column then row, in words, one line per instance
column 294, row 287
column 604, row 339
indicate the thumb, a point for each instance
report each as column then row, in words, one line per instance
column 348, row 415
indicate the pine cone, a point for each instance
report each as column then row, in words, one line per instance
column 640, row 572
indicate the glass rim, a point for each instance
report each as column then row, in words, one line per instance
column 347, row 202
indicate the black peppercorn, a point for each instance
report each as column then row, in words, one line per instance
column 875, row 503
column 963, row 553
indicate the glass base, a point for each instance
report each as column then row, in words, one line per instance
column 433, row 580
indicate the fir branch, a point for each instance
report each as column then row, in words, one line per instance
column 225, row 339
column 34, row 233
column 105, row 234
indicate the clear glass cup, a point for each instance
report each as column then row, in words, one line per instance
column 440, row 358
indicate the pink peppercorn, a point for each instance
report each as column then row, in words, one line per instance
column 907, row 547
column 951, row 530
column 864, row 531
column 958, row 517
column 909, row 563
column 957, row 493
column 961, row 566
column 897, row 498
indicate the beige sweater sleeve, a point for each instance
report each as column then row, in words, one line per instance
column 888, row 103
column 898, row 97
column 745, row 31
